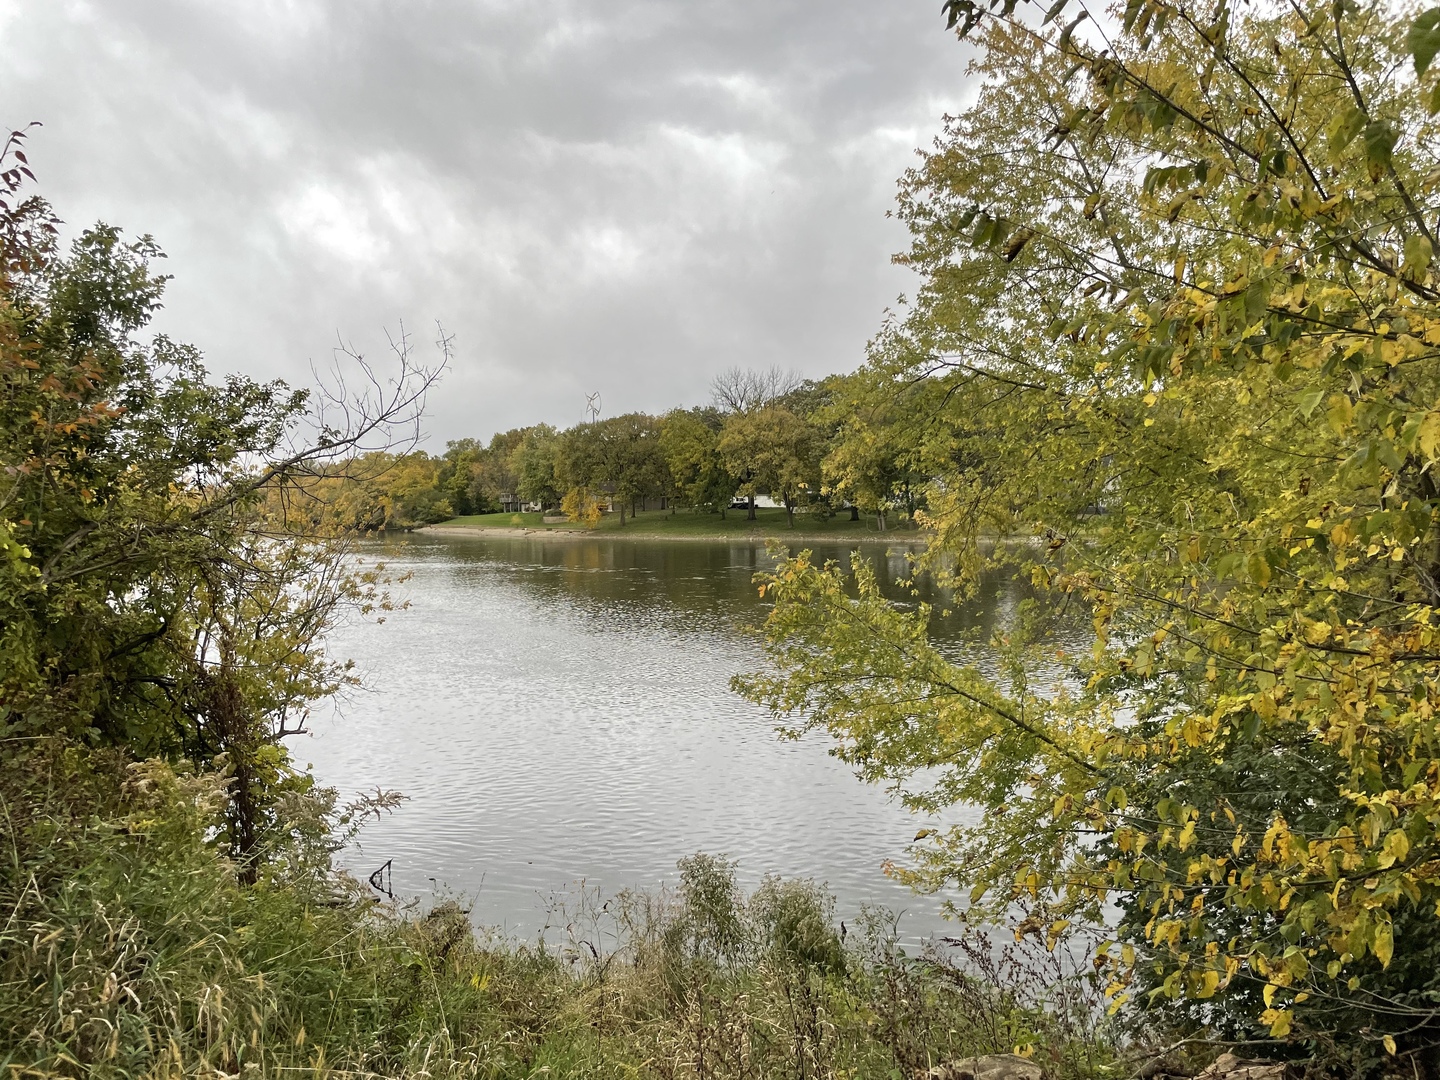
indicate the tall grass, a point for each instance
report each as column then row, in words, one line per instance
column 128, row 948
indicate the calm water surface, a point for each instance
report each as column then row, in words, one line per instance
column 559, row 712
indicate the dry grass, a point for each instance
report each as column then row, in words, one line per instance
column 129, row 949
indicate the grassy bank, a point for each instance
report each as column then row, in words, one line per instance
column 696, row 525
column 130, row 949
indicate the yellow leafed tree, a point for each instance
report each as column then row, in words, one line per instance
column 1177, row 328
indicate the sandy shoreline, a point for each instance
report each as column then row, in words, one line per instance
column 758, row 537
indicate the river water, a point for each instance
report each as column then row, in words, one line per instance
column 558, row 714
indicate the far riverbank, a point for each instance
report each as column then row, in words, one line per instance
column 770, row 524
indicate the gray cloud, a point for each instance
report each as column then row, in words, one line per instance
column 624, row 196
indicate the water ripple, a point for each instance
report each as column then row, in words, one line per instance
column 562, row 712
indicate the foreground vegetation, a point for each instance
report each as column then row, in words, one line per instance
column 1177, row 321
column 170, row 907
column 1176, row 329
column 132, row 948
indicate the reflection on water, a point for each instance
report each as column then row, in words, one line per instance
column 559, row 711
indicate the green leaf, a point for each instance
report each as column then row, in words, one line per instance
column 1423, row 39
column 1418, row 253
column 1343, row 128
column 1380, row 137
column 1064, row 43
column 1309, row 400
column 1161, row 176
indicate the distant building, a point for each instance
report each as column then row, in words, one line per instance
column 741, row 502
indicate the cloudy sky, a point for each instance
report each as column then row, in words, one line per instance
column 623, row 196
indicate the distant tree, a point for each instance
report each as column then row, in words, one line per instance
column 492, row 473
column 690, row 442
column 815, row 402
column 621, row 454
column 875, row 457
column 740, row 393
column 533, row 463
column 374, row 491
column 776, row 453
column 808, row 398
column 579, row 461
column 455, row 477
column 581, row 506
column 743, row 390
column 412, row 492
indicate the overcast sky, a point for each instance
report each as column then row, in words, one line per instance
column 618, row 196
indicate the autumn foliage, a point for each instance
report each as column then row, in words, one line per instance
column 1176, row 335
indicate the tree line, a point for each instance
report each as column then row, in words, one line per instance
column 810, row 445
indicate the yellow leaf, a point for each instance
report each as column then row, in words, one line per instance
column 1418, row 255
column 1187, row 835
column 1209, row 983
column 1397, row 843
column 1280, row 1026
column 1340, row 412
column 1384, row 944
column 1259, row 569
column 1389, row 1042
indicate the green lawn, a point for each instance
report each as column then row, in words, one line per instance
column 769, row 522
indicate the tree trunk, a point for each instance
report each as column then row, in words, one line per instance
column 238, row 737
column 750, row 512
column 622, row 512
column 854, row 512
column 789, row 514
